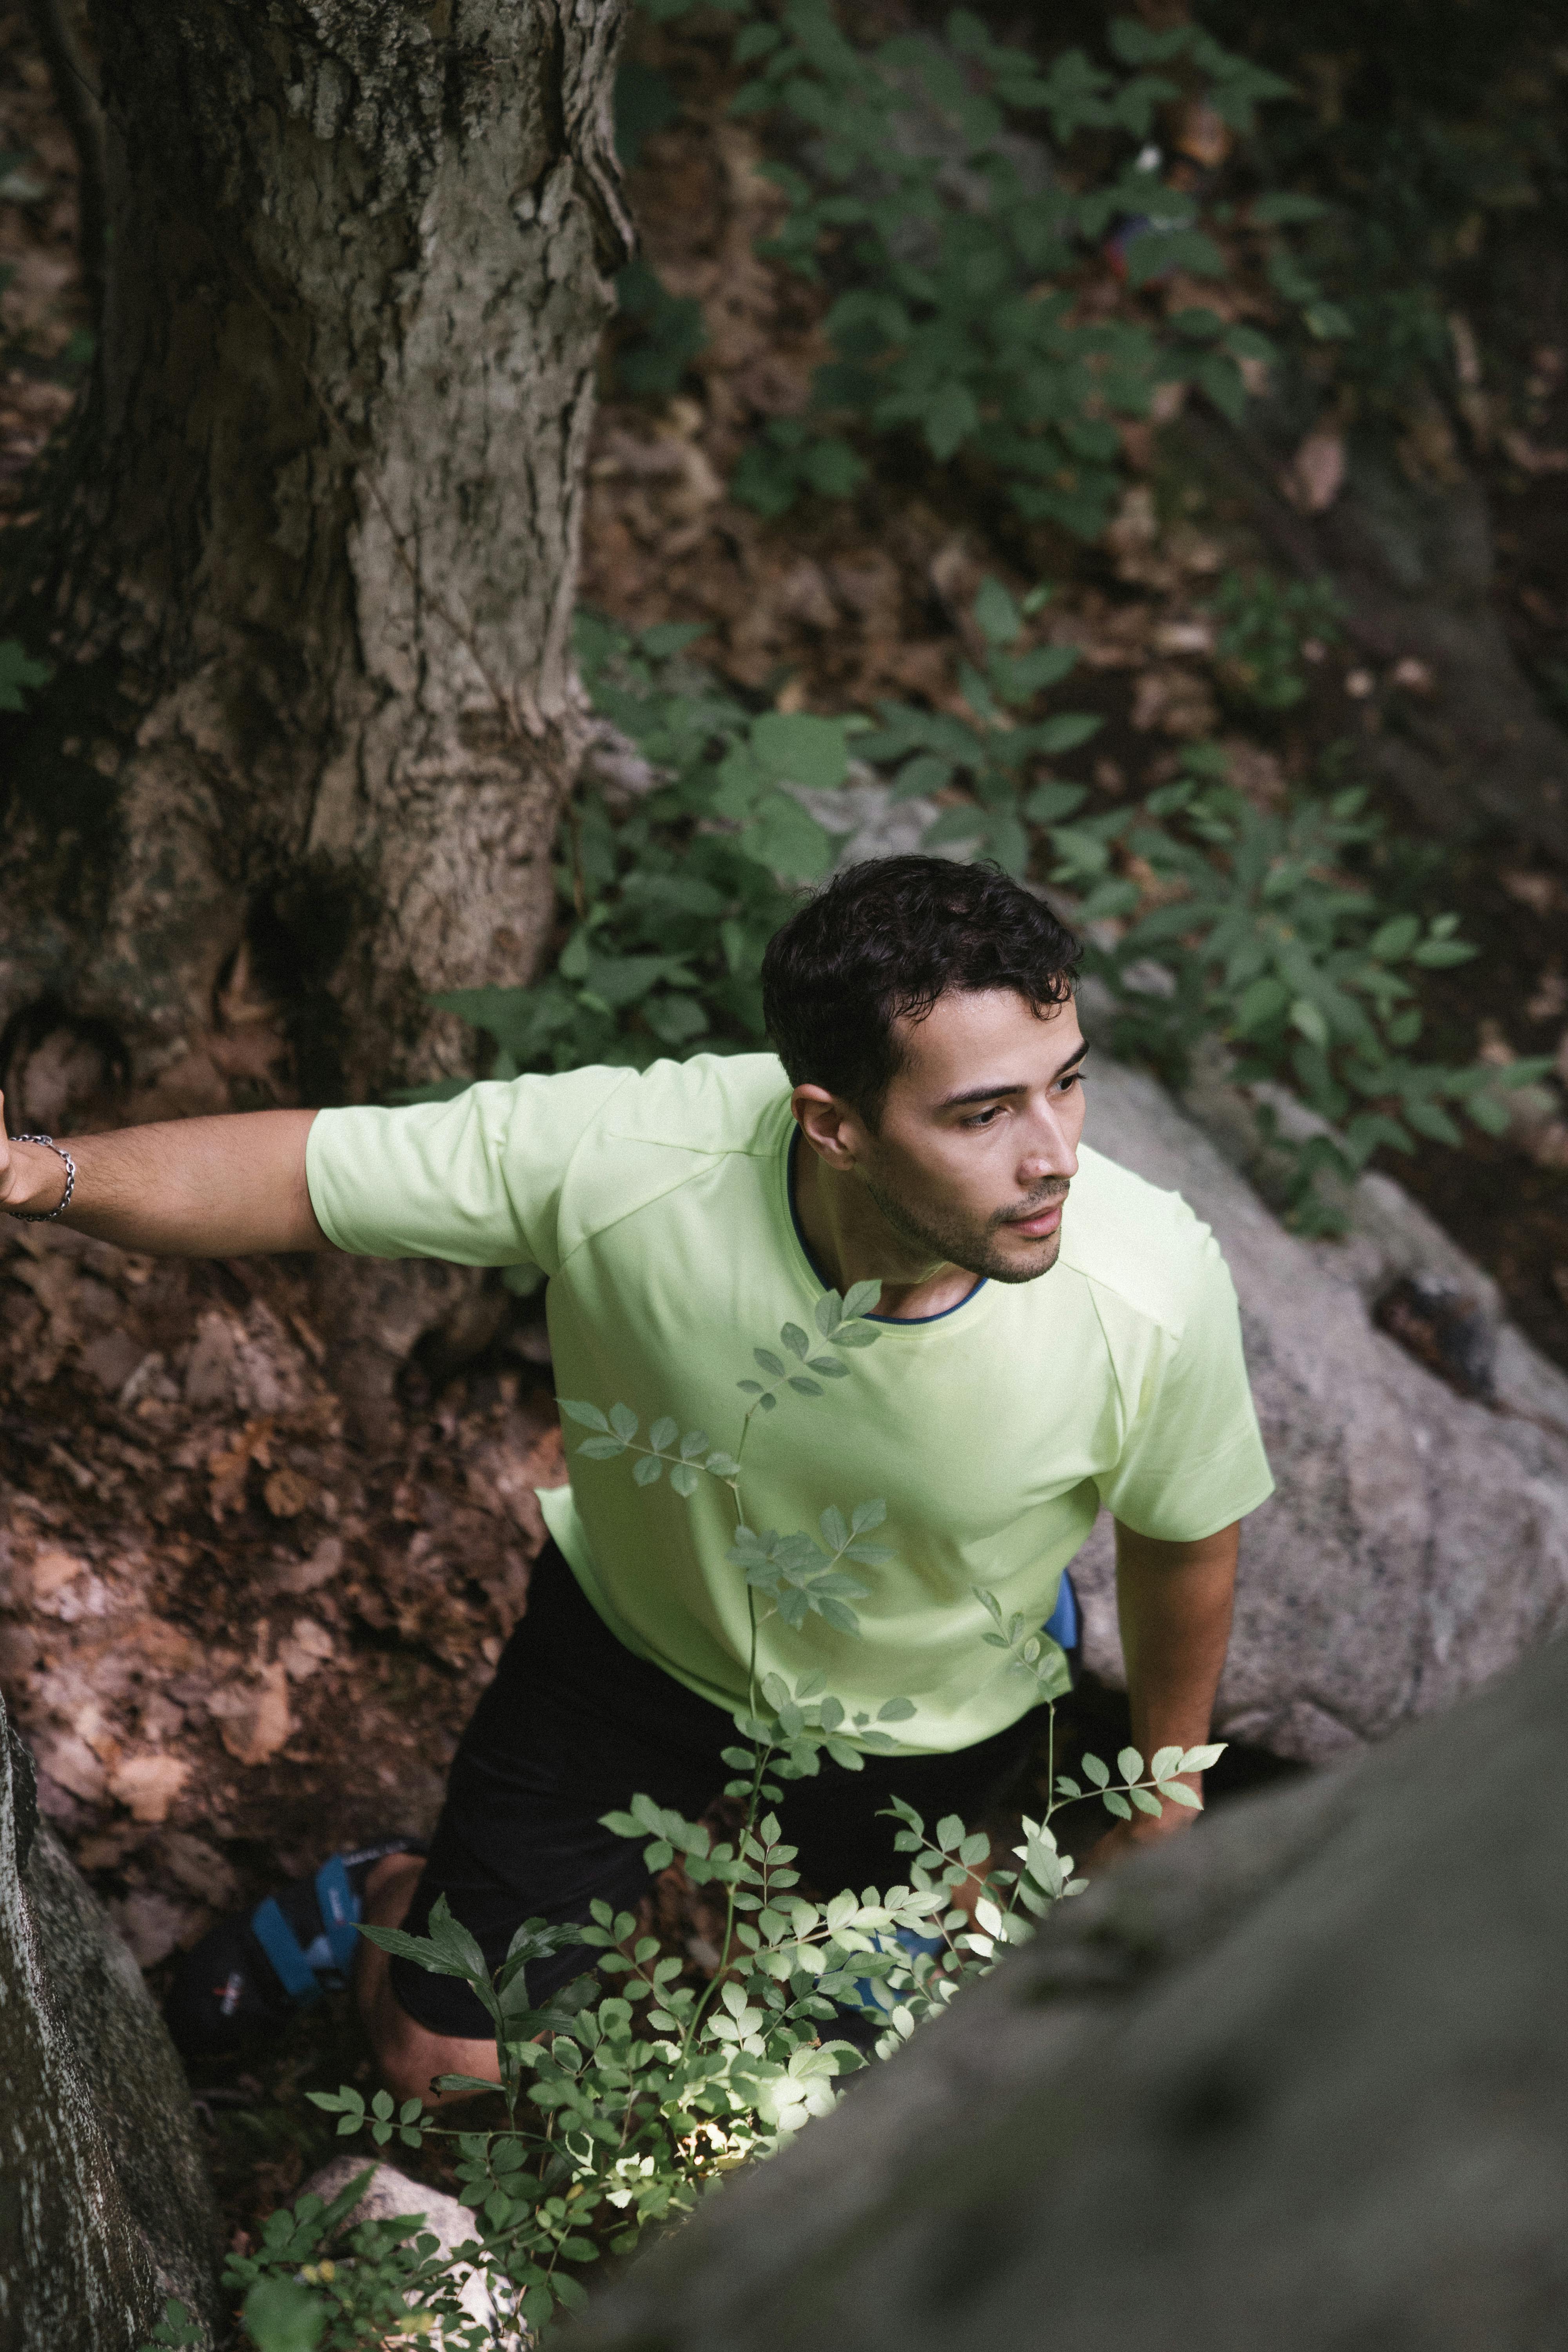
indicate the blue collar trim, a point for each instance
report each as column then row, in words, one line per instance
column 901, row 1322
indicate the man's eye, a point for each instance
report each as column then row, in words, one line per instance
column 985, row 1118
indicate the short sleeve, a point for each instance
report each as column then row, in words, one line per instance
column 1194, row 1459
column 477, row 1180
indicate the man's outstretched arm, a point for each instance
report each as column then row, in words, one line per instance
column 1175, row 1603
column 184, row 1188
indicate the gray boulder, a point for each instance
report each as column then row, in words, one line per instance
column 1414, row 562
column 1418, row 1540
column 1299, row 2079
column 105, row 2206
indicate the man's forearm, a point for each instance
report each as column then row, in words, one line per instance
column 1175, row 1603
column 185, row 1188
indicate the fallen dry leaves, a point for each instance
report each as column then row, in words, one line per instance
column 228, row 1624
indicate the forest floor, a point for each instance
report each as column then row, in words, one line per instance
column 241, row 1621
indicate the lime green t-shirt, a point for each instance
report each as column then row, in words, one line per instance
column 658, row 1205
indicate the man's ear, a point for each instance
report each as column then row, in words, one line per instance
column 833, row 1131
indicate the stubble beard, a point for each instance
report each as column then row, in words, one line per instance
column 956, row 1242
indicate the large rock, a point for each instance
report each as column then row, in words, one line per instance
column 105, row 2206
column 1298, row 2080
column 1418, row 1541
column 1413, row 562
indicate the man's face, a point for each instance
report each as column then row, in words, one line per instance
column 978, row 1138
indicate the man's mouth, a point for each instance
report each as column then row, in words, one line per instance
column 1035, row 1224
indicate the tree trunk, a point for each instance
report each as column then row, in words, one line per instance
column 105, row 2206
column 307, row 572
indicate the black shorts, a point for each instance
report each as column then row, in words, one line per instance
column 573, row 1725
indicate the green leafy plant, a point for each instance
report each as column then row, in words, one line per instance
column 20, row 675
column 951, row 237
column 623, row 2107
column 1264, row 623
column 1264, row 940
column 385, row 2281
column 1429, row 148
column 1000, row 754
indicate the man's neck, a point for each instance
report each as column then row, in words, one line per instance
column 850, row 1241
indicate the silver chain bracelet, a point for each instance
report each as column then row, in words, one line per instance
column 48, row 1216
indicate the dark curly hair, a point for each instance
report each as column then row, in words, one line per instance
column 881, row 943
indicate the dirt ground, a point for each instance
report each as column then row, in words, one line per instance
column 247, row 1601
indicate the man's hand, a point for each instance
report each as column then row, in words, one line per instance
column 185, row 1188
column 1175, row 1603
column 32, row 1178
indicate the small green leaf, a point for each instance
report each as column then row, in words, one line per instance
column 588, row 1416
column 282, row 2316
column 801, row 749
column 1066, row 732
column 1393, row 939
column 1050, row 802
column 996, row 616
column 1308, row 1018
column 19, row 673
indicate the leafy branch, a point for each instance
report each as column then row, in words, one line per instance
column 920, row 189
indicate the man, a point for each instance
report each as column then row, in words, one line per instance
column 1054, row 1336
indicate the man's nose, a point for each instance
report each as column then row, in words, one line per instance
column 1052, row 1152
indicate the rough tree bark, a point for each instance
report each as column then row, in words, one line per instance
column 105, row 2206
column 307, row 574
